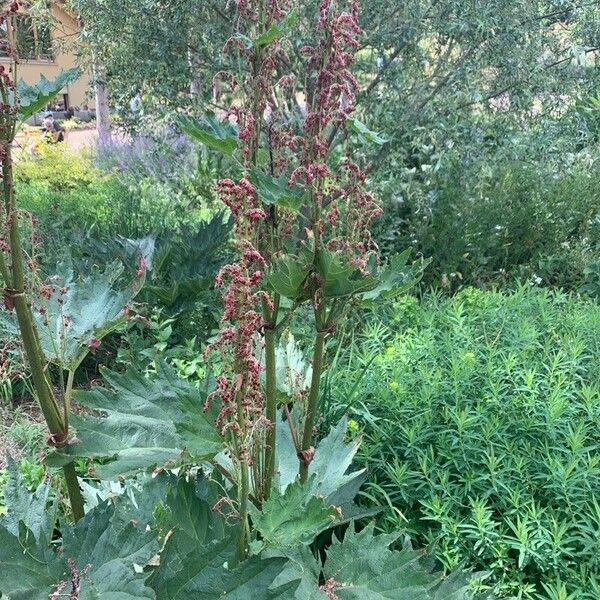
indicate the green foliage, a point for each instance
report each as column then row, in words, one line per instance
column 90, row 308
column 287, row 277
column 362, row 566
column 57, row 169
column 78, row 312
column 294, row 517
column 33, row 98
column 180, row 548
column 185, row 264
column 145, row 422
column 517, row 220
column 220, row 136
column 328, row 471
column 365, row 134
column 276, row 191
column 276, row 30
column 98, row 556
column 480, row 422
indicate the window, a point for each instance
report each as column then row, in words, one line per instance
column 25, row 38
column 32, row 41
column 3, row 39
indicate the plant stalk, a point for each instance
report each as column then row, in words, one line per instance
column 244, row 481
column 57, row 423
column 270, row 411
column 306, row 451
column 74, row 491
column 242, row 542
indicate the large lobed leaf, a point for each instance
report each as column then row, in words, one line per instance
column 183, row 549
column 33, row 98
column 28, row 567
column 37, row 511
column 340, row 279
column 328, row 472
column 104, row 557
column 276, row 191
column 78, row 312
column 294, row 517
column 141, row 422
column 363, row 567
column 218, row 135
column 90, row 307
column 287, row 277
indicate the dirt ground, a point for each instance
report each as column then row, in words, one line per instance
column 77, row 139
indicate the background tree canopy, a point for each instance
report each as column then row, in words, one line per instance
column 435, row 73
column 459, row 91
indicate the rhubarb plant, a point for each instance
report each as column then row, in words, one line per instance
column 61, row 320
column 164, row 539
column 302, row 218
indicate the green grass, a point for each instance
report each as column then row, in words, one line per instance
column 481, row 419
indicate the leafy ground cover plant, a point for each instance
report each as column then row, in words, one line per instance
column 480, row 423
column 159, row 538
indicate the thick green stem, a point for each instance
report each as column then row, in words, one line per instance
column 57, row 422
column 242, row 542
column 74, row 491
column 244, row 479
column 41, row 383
column 306, row 451
column 67, row 396
column 30, row 342
column 271, row 410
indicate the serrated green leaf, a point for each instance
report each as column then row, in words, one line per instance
column 78, row 312
column 328, row 469
column 221, row 136
column 341, row 279
column 363, row 567
column 287, row 276
column 276, row 30
column 103, row 555
column 145, row 422
column 294, row 372
column 28, row 569
column 33, row 98
column 188, row 508
column 295, row 517
column 302, row 573
column 364, row 133
column 37, row 511
column 202, row 573
column 397, row 277
column 106, row 554
column 275, row 190
column 91, row 307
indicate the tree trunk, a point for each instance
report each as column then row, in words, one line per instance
column 102, row 111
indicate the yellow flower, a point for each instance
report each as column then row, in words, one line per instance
column 469, row 357
column 394, row 385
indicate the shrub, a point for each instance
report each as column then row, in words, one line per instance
column 480, row 415
column 68, row 194
column 513, row 221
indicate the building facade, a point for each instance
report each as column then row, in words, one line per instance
column 47, row 50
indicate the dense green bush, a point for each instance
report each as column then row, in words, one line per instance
column 72, row 192
column 481, row 419
column 489, row 225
